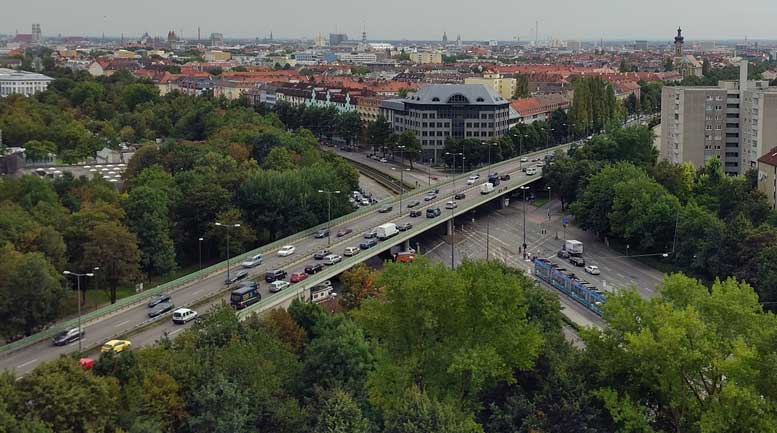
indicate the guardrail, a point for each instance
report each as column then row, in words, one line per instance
column 139, row 298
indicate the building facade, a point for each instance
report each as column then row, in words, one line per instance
column 504, row 86
column 14, row 82
column 438, row 112
column 426, row 57
column 767, row 177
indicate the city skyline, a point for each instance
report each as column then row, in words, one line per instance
column 404, row 20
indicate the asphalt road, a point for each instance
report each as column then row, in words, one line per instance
column 212, row 287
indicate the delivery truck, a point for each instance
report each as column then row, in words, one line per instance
column 574, row 248
column 386, row 231
column 486, row 188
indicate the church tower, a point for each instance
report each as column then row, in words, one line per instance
column 444, row 37
column 679, row 40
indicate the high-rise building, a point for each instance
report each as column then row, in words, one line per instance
column 37, row 36
column 425, row 57
column 444, row 37
column 216, row 40
column 735, row 121
column 641, row 45
column 337, row 38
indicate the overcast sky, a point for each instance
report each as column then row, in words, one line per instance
column 401, row 19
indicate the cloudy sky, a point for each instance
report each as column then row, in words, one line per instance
column 401, row 19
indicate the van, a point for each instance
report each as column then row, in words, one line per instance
column 183, row 315
column 351, row 251
column 531, row 171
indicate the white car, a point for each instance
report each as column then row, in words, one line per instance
column 524, row 159
column 332, row 259
column 451, row 205
column 183, row 315
column 252, row 261
column 278, row 285
column 383, row 160
column 471, row 180
column 286, row 251
column 592, row 269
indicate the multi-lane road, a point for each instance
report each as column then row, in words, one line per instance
column 211, row 289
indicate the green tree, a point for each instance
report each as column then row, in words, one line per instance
column 115, row 250
column 521, row 86
column 148, row 217
column 417, row 413
column 411, row 146
column 378, row 132
column 220, row 406
column 39, row 149
column 338, row 413
column 280, row 159
column 240, row 238
column 349, row 126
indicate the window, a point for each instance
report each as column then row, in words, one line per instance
column 480, row 100
column 458, row 99
column 436, row 99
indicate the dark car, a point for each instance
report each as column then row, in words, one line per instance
column 459, row 196
column 313, row 268
column 563, row 254
column 369, row 243
column 385, row 209
column 577, row 261
column 234, row 277
column 249, row 283
column 68, row 336
column 321, row 234
column 504, row 177
column 413, row 204
column 415, row 213
column 158, row 299
column 321, row 254
column 404, row 227
column 274, row 275
column 343, row 232
column 370, row 234
column 160, row 309
column 433, row 212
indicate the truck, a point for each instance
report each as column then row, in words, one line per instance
column 486, row 188
column 493, row 179
column 573, row 247
column 386, row 231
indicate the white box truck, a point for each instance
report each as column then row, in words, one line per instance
column 386, row 231
column 486, row 188
column 573, row 247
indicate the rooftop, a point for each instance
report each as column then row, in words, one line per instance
column 770, row 158
column 12, row 74
column 472, row 94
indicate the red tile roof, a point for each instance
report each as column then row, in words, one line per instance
column 770, row 158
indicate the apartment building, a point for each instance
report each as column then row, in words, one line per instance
column 426, row 57
column 735, row 122
column 504, row 86
column 767, row 176
column 22, row 83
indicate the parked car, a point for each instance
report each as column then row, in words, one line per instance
column 563, row 254
column 430, row 196
column 415, row 213
column 593, row 270
column 314, row 268
column 277, row 286
column 158, row 299
column 371, row 233
column 403, row 227
column 274, row 275
column 460, row 196
column 320, row 234
column 369, row 243
column 183, row 315
column 433, row 212
column 160, row 309
column 332, row 259
column 235, row 276
column 386, row 209
column 298, row 276
column 115, row 346
column 68, row 336
column 252, row 261
column 451, row 205
column 344, row 232
column 413, row 204
column 286, row 251
column 365, row 202
column 351, row 251
column 319, row 255
column 577, row 261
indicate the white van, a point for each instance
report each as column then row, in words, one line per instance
column 183, row 315
column 351, row 251
column 531, row 171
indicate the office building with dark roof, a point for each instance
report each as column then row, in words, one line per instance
column 439, row 111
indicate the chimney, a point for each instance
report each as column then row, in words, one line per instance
column 743, row 76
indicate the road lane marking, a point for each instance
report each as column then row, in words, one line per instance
column 122, row 323
column 26, row 363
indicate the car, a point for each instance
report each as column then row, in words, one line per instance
column 531, row 171
column 298, row 276
column 68, row 336
column 115, row 346
column 319, row 255
column 286, row 251
column 415, row 213
column 540, row 163
column 183, row 315
column 430, row 196
column 593, row 270
column 277, row 286
column 249, row 283
column 371, row 233
column 344, row 232
column 385, row 209
column 252, row 261
column 160, row 309
column 331, row 259
column 158, row 299
column 403, row 227
column 413, row 204
column 504, row 177
column 563, row 254
column 351, row 251
column 274, row 275
column 433, row 212
column 471, row 180
column 524, row 159
column 451, row 205
column 577, row 261
column 234, row 277
column 313, row 268
column 460, row 196
column 320, row 234
column 365, row 202
column 383, row 160
column 356, row 194
column 369, row 243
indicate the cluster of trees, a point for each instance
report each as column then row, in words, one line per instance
column 710, row 224
column 421, row 348
column 594, row 105
column 323, row 122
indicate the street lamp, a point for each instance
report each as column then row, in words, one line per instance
column 228, row 226
column 524, row 188
column 461, row 154
column 329, row 213
column 78, row 279
column 199, row 250
column 401, row 186
column 520, row 151
column 549, row 199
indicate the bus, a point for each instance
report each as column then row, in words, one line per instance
column 244, row 296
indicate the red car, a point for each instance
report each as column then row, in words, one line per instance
column 297, row 277
column 344, row 232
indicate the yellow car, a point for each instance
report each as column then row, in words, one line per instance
column 116, row 346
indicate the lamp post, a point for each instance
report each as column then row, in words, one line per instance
column 549, row 205
column 199, row 250
column 228, row 226
column 401, row 186
column 78, row 279
column 488, row 221
column 454, row 155
column 520, row 151
column 524, row 188
column 329, row 214
column 96, row 280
